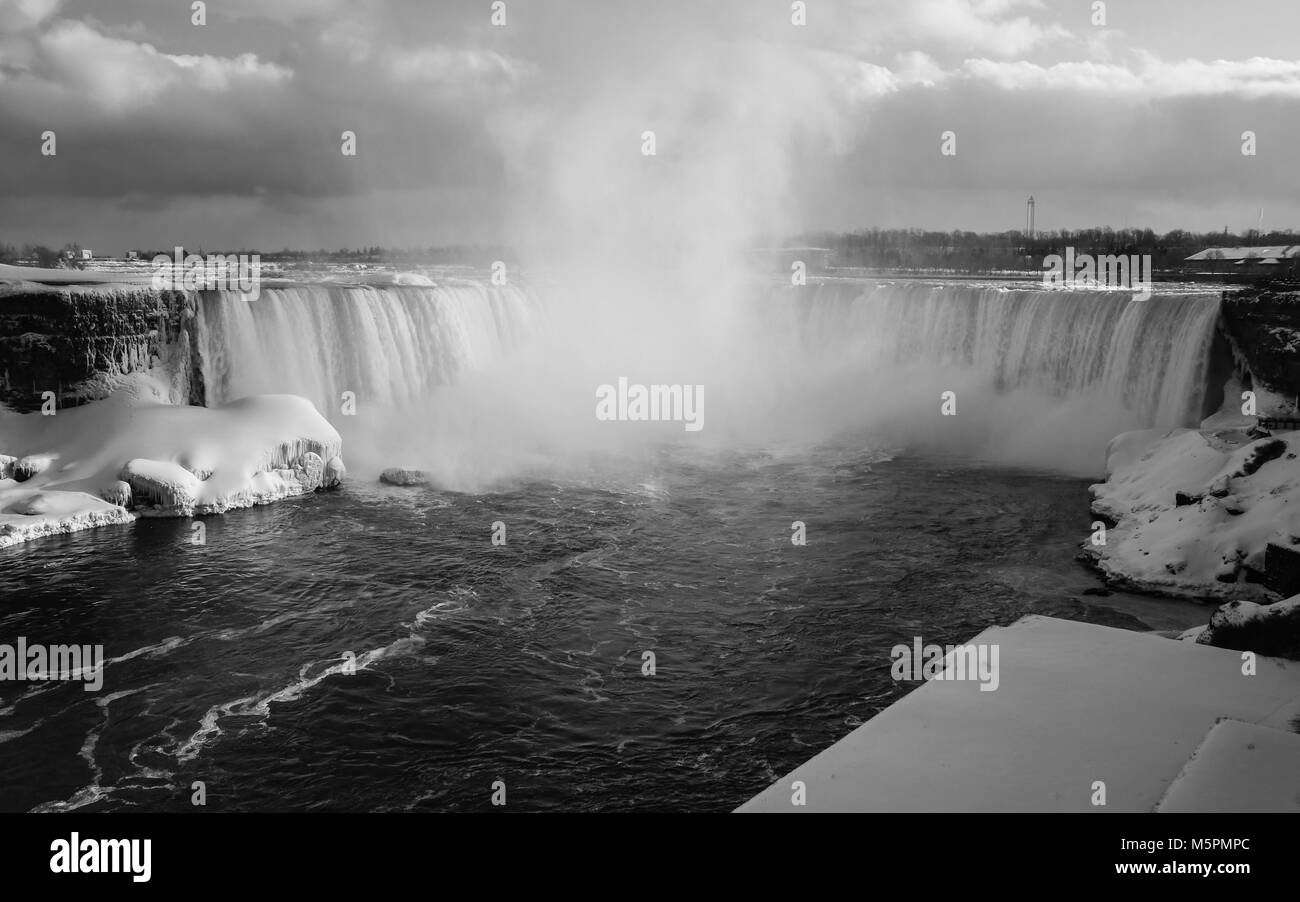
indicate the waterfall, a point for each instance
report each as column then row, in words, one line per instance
column 450, row 376
column 390, row 346
column 395, row 345
column 1150, row 358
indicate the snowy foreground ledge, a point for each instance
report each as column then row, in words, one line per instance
column 1194, row 510
column 1076, row 705
column 107, row 462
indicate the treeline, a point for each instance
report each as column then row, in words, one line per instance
column 67, row 257
column 973, row 252
column 472, row 255
column 70, row 255
column 893, row 249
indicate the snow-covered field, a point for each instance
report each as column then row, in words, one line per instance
column 133, row 454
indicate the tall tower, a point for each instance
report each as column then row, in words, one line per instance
column 1029, row 218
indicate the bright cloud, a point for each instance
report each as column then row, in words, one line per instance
column 119, row 73
column 994, row 27
column 22, row 15
column 840, row 118
column 1151, row 78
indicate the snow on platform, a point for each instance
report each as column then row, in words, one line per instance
column 1076, row 704
column 1240, row 767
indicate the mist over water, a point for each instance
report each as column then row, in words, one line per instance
column 477, row 384
column 1042, row 378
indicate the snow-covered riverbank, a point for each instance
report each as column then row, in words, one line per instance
column 1194, row 510
column 131, row 454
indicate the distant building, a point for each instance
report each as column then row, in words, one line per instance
column 133, row 255
column 87, row 254
column 1258, row 260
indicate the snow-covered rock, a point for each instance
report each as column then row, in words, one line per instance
column 1193, row 515
column 27, row 514
column 162, row 484
column 335, row 472
column 165, row 460
column 1261, row 326
column 118, row 493
column 1128, row 447
column 310, row 471
column 1272, row 629
column 404, row 476
column 7, row 462
column 32, row 465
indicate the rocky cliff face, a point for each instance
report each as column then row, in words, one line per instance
column 79, row 341
column 1263, row 325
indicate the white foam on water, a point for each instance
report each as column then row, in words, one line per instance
column 258, row 706
column 94, row 790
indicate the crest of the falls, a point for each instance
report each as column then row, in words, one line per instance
column 1150, row 359
column 389, row 346
column 471, row 379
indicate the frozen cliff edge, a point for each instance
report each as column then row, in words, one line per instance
column 84, row 341
column 109, row 461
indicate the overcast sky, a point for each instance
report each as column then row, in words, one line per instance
column 228, row 135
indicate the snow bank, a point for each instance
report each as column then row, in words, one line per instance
column 1194, row 510
column 86, row 465
column 160, row 483
column 26, row 515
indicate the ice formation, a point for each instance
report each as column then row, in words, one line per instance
column 106, row 462
column 403, row 476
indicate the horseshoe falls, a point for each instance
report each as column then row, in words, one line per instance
column 1039, row 378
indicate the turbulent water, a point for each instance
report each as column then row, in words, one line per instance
column 524, row 662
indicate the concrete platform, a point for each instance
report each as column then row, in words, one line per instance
column 1076, row 704
column 1240, row 767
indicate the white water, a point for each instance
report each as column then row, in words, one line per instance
column 1041, row 378
column 1149, row 358
column 464, row 382
column 389, row 346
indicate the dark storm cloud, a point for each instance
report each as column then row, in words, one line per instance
column 465, row 129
